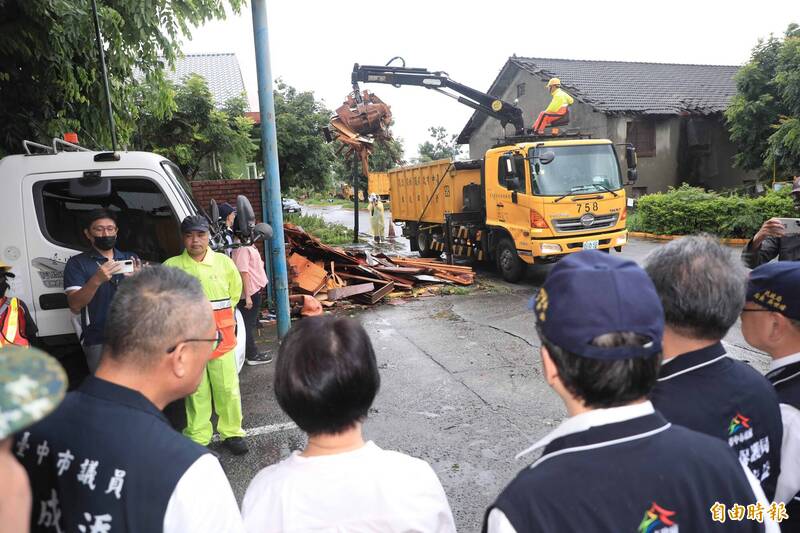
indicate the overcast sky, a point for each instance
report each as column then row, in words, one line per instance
column 314, row 43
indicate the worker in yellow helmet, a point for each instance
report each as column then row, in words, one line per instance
column 557, row 112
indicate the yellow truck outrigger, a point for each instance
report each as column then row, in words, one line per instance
column 531, row 199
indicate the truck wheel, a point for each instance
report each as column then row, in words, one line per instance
column 424, row 245
column 510, row 266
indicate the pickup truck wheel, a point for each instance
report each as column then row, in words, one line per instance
column 424, row 245
column 510, row 266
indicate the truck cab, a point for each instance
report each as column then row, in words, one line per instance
column 44, row 198
column 553, row 197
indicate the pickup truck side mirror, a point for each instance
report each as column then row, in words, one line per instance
column 633, row 175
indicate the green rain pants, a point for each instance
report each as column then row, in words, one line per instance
column 220, row 382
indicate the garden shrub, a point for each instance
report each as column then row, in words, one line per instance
column 689, row 210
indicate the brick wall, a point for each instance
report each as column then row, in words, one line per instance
column 226, row 191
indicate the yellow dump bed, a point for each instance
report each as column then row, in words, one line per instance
column 378, row 183
column 411, row 187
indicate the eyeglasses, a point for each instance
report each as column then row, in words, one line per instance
column 104, row 229
column 217, row 340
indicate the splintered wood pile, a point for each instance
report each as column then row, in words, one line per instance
column 332, row 274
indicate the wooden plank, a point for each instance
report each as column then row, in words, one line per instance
column 434, row 265
column 345, row 275
column 401, row 270
column 308, row 276
column 377, row 295
column 350, row 290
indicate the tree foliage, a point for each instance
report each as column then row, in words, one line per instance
column 304, row 158
column 386, row 154
column 50, row 78
column 197, row 135
column 764, row 116
column 441, row 146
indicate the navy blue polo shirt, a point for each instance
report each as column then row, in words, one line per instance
column 77, row 272
column 786, row 380
column 709, row 392
column 641, row 474
column 106, row 453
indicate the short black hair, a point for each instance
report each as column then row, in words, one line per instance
column 97, row 214
column 151, row 311
column 326, row 376
column 601, row 384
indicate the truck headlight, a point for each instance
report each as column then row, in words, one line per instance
column 619, row 241
column 550, row 248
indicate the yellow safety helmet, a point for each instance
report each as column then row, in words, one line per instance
column 553, row 81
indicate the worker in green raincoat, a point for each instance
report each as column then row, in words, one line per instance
column 376, row 217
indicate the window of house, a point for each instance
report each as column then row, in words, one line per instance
column 520, row 89
column 147, row 225
column 642, row 134
column 638, row 192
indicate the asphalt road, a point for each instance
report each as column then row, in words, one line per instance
column 461, row 388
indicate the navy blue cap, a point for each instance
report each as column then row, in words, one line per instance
column 591, row 293
column 194, row 223
column 225, row 209
column 776, row 286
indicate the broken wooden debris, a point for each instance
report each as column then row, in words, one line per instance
column 335, row 275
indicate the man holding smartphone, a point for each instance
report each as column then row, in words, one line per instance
column 91, row 279
column 774, row 239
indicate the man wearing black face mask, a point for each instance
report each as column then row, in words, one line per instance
column 91, row 279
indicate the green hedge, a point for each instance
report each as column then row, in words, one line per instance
column 690, row 210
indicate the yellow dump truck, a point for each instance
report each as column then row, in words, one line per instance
column 379, row 184
column 533, row 201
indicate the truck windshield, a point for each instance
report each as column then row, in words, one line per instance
column 579, row 169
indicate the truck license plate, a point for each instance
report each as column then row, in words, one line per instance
column 591, row 245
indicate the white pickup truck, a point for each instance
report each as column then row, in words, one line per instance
column 43, row 197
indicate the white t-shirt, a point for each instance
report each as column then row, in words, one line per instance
column 203, row 501
column 365, row 490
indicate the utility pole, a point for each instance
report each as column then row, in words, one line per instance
column 355, row 197
column 273, row 210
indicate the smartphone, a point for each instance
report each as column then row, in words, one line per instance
column 792, row 225
column 126, row 266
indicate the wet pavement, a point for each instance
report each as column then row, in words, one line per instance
column 461, row 388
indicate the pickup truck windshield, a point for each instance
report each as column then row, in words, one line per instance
column 575, row 169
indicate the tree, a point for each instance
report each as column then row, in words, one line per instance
column 50, row 78
column 764, row 115
column 304, row 158
column 443, row 146
column 386, row 154
column 197, row 136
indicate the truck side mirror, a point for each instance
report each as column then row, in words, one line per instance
column 633, row 175
column 547, row 157
column 630, row 156
column 509, row 165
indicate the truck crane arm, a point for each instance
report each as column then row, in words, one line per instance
column 503, row 111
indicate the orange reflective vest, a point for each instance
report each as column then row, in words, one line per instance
column 12, row 324
column 226, row 324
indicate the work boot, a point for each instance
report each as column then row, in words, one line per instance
column 261, row 358
column 236, row 445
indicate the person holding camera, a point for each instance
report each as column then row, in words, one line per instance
column 772, row 240
column 91, row 279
